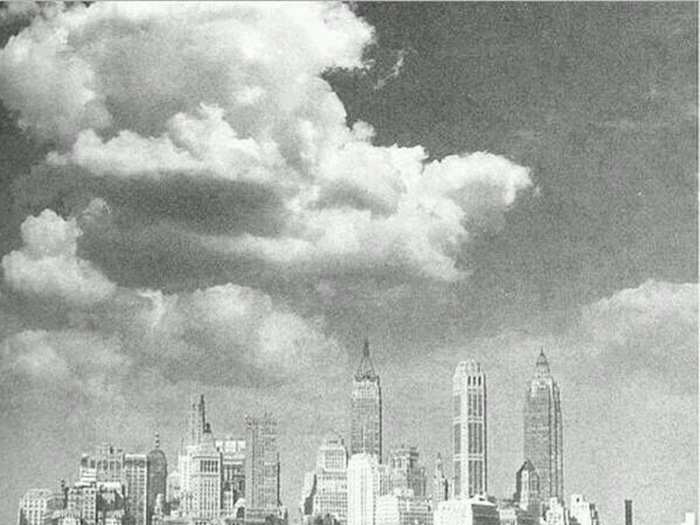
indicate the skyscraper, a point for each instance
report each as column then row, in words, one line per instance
column 469, row 430
column 363, row 488
column 203, row 500
column 233, row 475
column 157, row 478
column 136, row 478
column 262, row 470
column 440, row 483
column 196, row 419
column 331, row 496
column 628, row 512
column 406, row 472
column 543, row 430
column 366, row 409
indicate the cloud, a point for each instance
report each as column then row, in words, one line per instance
column 649, row 331
column 67, row 359
column 47, row 265
column 178, row 97
column 423, row 227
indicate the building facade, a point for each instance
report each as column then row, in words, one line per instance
column 582, row 512
column 556, row 513
column 366, row 409
column 37, row 505
column 81, row 503
column 467, row 511
column 527, row 489
column 331, row 491
column 543, row 433
column 363, row 488
column 401, row 507
column 136, row 483
column 469, row 430
column 262, row 470
column 406, row 472
column 233, row 473
column 441, row 487
column 203, row 500
column 157, row 472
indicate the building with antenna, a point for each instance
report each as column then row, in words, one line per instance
column 366, row 409
column 543, row 433
column 157, row 478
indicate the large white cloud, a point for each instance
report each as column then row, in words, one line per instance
column 235, row 92
column 47, row 265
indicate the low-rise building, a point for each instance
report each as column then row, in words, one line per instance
column 477, row 510
column 402, row 507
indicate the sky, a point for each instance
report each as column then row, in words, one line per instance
column 227, row 199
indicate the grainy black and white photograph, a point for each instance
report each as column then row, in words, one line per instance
column 348, row 263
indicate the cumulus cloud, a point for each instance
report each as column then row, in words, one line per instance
column 72, row 359
column 234, row 92
column 220, row 333
column 649, row 330
column 47, row 265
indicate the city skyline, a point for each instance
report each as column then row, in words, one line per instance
column 227, row 199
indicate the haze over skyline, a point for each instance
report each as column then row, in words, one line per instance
column 228, row 199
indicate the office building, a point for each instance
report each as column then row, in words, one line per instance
column 363, row 488
column 556, row 513
column 136, row 482
column 441, row 487
column 366, row 409
column 582, row 512
column 406, row 473
column 510, row 513
column 476, row 510
column 81, row 502
column 203, row 498
column 233, row 473
column 331, row 491
column 401, row 507
column 262, row 470
column 628, row 512
column 469, row 430
column 37, row 506
column 157, row 470
column 527, row 489
column 543, row 432
column 109, row 463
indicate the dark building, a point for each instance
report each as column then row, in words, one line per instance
column 527, row 489
column 262, row 470
column 366, row 409
column 157, row 478
column 543, row 431
column 628, row 512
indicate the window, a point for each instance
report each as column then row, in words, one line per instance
column 458, row 438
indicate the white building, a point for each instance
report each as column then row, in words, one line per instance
column 363, row 489
column 204, row 469
column 467, row 511
column 689, row 519
column 582, row 511
column 331, row 491
column 556, row 513
column 469, row 430
column 36, row 506
column 136, row 476
column 402, row 508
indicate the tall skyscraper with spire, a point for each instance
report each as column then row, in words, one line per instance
column 469, row 430
column 157, row 478
column 543, row 430
column 196, row 420
column 366, row 409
